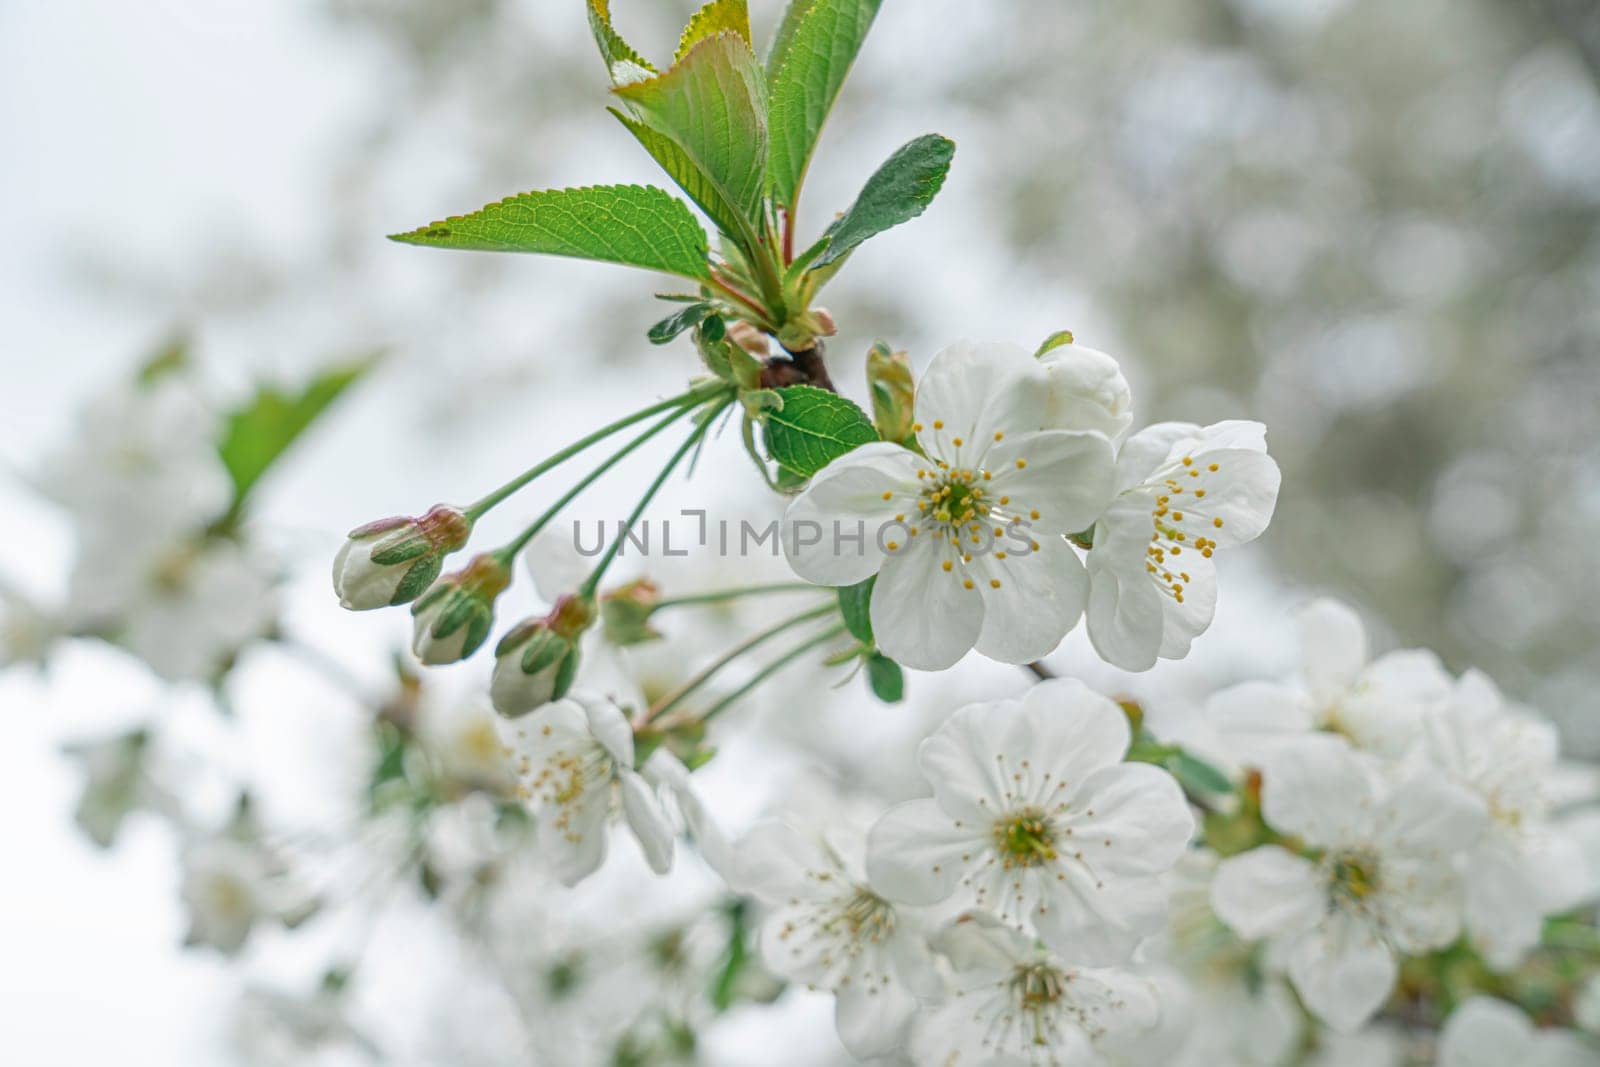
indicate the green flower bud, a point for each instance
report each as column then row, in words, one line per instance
column 537, row 661
column 392, row 561
column 625, row 613
column 456, row 613
column 889, row 381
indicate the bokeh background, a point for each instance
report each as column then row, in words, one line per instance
column 1374, row 226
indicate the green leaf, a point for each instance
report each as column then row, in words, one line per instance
column 901, row 190
column 257, row 435
column 686, row 174
column 816, row 44
column 813, row 428
column 710, row 104
column 855, row 606
column 1053, row 342
column 1196, row 775
column 636, row 225
column 718, row 16
column 887, row 680
column 676, row 323
column 613, row 49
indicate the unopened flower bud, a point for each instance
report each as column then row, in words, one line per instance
column 1085, row 390
column 392, row 561
column 749, row 338
column 455, row 615
column 626, row 612
column 889, row 381
column 537, row 661
column 823, row 318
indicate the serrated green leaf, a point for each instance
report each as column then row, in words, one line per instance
column 855, row 607
column 258, row 434
column 813, row 52
column 676, row 323
column 1196, row 774
column 813, row 428
column 686, row 173
column 711, row 104
column 613, row 49
column 887, row 680
column 898, row 192
column 718, row 16
column 636, row 225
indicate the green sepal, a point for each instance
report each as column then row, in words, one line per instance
column 417, row 579
column 855, row 606
column 886, row 678
column 1053, row 342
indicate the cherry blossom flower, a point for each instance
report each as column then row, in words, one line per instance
column 574, row 760
column 830, row 929
column 1378, row 705
column 1016, row 1004
column 1520, row 870
column 1085, row 390
column 1036, row 818
column 1182, row 492
column 1381, row 883
column 967, row 539
column 230, row 885
column 1485, row 1032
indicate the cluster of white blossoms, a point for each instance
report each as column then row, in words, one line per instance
column 996, row 921
column 148, row 493
column 1407, row 809
column 971, row 533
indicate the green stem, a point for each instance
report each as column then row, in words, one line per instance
column 770, row 669
column 509, row 551
column 754, row 641
column 591, row 583
column 723, row 595
column 476, row 511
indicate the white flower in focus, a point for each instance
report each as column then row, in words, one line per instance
column 574, row 760
column 1485, row 1032
column 1378, row 705
column 1521, row 869
column 1016, row 1005
column 829, row 929
column 229, row 886
column 968, row 542
column 142, row 464
column 1384, row 884
column 1036, row 818
column 1085, row 390
column 1182, row 492
column 186, row 610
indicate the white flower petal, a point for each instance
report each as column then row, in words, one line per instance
column 1318, row 789
column 1148, row 449
column 572, row 839
column 1343, row 972
column 1183, row 622
column 1085, row 390
column 1071, row 731
column 1099, row 923
column 1065, row 477
column 642, row 809
column 914, row 852
column 1140, row 824
column 872, row 1017
column 1242, row 492
column 958, row 761
column 1485, row 1032
column 1267, row 891
column 1030, row 600
column 973, row 390
column 1333, row 647
column 923, row 616
column 830, row 532
column 1125, row 609
column 1426, row 814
